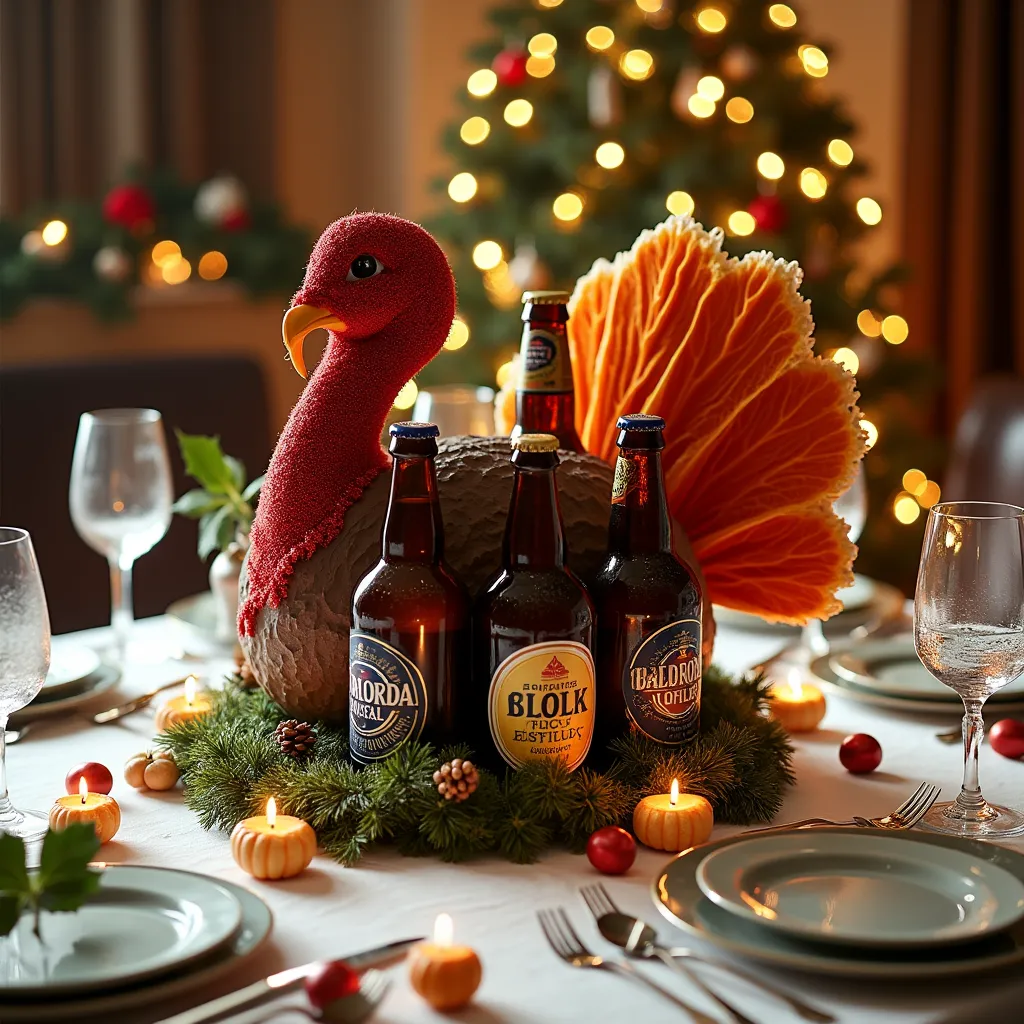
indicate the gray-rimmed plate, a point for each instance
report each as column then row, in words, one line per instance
column 138, row 925
column 679, row 898
column 862, row 889
column 70, row 667
column 253, row 931
column 96, row 684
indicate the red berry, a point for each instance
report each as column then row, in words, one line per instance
column 1006, row 737
column 97, row 778
column 330, row 980
column 769, row 213
column 131, row 206
column 510, row 67
column 860, row 753
column 611, row 850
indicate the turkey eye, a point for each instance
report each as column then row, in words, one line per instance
column 364, row 266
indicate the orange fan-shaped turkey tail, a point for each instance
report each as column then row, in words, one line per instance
column 762, row 435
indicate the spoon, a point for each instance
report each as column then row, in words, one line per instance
column 353, row 1009
column 14, row 735
column 641, row 940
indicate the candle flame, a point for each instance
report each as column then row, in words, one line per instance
column 271, row 812
column 673, row 795
column 190, row 690
column 796, row 687
column 444, row 930
column 83, row 788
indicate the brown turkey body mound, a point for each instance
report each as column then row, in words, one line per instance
column 299, row 653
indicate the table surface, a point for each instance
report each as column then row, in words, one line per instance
column 331, row 911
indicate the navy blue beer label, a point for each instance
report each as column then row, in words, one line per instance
column 543, row 365
column 387, row 698
column 661, row 683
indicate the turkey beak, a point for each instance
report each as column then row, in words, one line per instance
column 297, row 323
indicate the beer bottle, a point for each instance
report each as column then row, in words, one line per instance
column 648, row 604
column 545, row 400
column 410, row 636
column 535, row 626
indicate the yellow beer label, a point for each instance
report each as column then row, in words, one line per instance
column 544, row 363
column 625, row 478
column 542, row 703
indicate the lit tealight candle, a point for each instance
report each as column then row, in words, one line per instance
column 797, row 706
column 445, row 975
column 101, row 811
column 185, row 708
column 272, row 845
column 673, row 821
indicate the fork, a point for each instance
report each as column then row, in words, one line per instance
column 907, row 815
column 562, row 938
column 602, row 905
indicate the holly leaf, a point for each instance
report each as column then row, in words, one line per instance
column 254, row 488
column 206, row 462
column 11, row 908
column 13, row 872
column 197, row 503
column 213, row 527
column 65, row 880
column 237, row 468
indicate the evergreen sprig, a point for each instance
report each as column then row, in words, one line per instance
column 742, row 763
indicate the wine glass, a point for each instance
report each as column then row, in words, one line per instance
column 852, row 507
column 24, row 656
column 969, row 632
column 457, row 409
column 121, row 496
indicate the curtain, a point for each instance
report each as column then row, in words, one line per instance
column 964, row 189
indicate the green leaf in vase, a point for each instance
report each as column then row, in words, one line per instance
column 207, row 463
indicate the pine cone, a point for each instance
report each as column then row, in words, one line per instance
column 295, row 738
column 457, row 779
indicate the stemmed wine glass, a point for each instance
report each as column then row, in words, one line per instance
column 121, row 496
column 24, row 656
column 969, row 632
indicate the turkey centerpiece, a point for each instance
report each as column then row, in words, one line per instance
column 761, row 437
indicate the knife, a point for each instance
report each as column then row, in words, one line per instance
column 286, row 981
column 136, row 704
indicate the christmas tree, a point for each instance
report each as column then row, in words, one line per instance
column 588, row 121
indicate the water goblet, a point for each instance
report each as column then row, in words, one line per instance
column 969, row 633
column 120, row 497
column 24, row 657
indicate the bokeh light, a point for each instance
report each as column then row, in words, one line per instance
column 895, row 329
column 711, row 19
column 165, row 252
column 869, row 210
column 905, row 508
column 482, row 82
column 915, row 482
column 711, row 88
column 679, row 203
column 54, row 232
column 457, row 336
column 872, row 433
column 487, row 254
column 610, row 155
column 543, row 44
column 462, row 187
column 406, row 398
column 868, row 324
column 176, row 271
column 518, row 112
column 568, row 206
column 213, row 265
column 846, row 358
column 929, row 495
column 636, row 64
column 475, row 130
column 540, row 67
column 771, row 165
column 600, row 37
column 840, row 152
column 782, row 16
column 700, row 106
column 814, row 61
column 813, row 183
column 741, row 223
column 739, row 110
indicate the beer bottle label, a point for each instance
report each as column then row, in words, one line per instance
column 387, row 698
column 661, row 684
column 542, row 703
column 625, row 478
column 544, row 364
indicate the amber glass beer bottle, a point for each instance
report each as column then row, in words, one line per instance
column 545, row 399
column 535, row 626
column 648, row 604
column 409, row 646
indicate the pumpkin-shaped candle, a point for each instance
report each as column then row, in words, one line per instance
column 183, row 709
column 673, row 821
column 272, row 845
column 101, row 811
column 797, row 706
column 445, row 975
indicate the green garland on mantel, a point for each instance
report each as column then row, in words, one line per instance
column 231, row 764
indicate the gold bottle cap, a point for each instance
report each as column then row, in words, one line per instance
column 535, row 443
column 546, row 298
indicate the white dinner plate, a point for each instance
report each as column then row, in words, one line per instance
column 70, row 667
column 679, row 898
column 253, row 931
column 97, row 683
column 861, row 888
column 139, row 924
column 892, row 667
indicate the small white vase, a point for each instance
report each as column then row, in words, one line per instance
column 224, row 573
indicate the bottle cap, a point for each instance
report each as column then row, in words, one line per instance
column 409, row 429
column 640, row 421
column 535, row 443
column 546, row 298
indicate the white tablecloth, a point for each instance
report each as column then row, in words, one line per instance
column 330, row 911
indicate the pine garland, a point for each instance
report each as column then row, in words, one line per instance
column 231, row 764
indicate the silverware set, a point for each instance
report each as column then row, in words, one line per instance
column 639, row 941
column 136, row 704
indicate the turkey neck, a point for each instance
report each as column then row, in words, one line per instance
column 534, row 538
column 413, row 531
column 639, row 522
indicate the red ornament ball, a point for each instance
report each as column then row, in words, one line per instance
column 329, row 981
column 131, row 206
column 97, row 778
column 860, row 753
column 1006, row 737
column 510, row 67
column 237, row 220
column 769, row 213
column 611, row 850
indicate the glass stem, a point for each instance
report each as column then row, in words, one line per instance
column 970, row 798
column 5, row 804
column 121, row 610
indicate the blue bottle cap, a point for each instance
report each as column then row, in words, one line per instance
column 408, row 429
column 640, row 421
